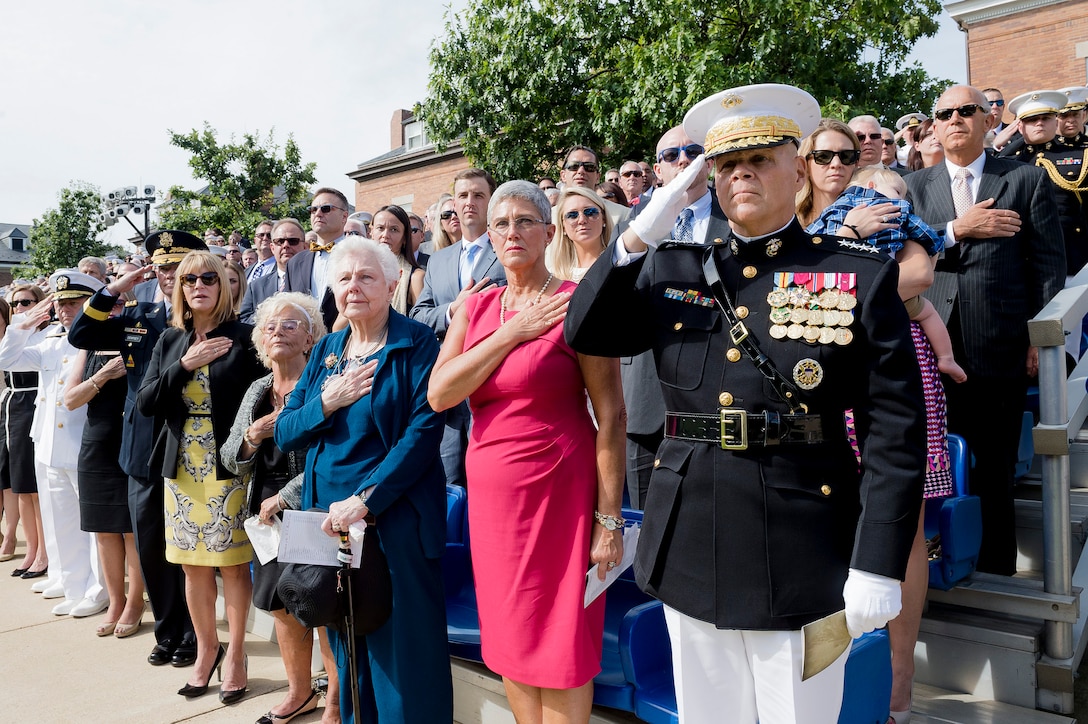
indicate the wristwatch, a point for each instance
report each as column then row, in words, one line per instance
column 610, row 522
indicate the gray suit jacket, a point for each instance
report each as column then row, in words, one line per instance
column 995, row 284
column 258, row 290
column 441, row 284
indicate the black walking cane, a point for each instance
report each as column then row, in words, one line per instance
column 343, row 587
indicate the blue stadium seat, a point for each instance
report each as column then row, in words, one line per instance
column 868, row 689
column 958, row 520
column 462, row 622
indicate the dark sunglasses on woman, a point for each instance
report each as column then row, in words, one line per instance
column 822, row 158
column 208, row 279
column 447, row 215
column 591, row 213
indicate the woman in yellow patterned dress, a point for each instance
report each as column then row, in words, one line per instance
column 202, row 365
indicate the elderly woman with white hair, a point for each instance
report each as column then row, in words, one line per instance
column 360, row 411
column 286, row 327
column 545, row 485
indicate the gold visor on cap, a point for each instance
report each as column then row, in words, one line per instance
column 740, row 132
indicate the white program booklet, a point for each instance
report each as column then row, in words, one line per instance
column 303, row 541
column 594, row 586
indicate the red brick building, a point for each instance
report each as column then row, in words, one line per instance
column 1024, row 45
column 412, row 174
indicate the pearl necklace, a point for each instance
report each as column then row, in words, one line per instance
column 536, row 300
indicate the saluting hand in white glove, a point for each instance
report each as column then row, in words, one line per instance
column 655, row 223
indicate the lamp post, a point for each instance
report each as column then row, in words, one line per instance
column 127, row 202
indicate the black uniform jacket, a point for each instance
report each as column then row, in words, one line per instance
column 134, row 332
column 230, row 376
column 762, row 538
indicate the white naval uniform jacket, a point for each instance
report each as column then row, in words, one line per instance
column 57, row 431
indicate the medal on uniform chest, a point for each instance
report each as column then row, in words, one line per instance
column 813, row 306
column 808, row 373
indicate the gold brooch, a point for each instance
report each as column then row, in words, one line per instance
column 330, row 361
column 731, row 100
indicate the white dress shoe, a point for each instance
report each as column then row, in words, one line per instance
column 54, row 591
column 64, row 608
column 89, row 607
column 41, row 585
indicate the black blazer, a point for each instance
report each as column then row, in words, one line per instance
column 160, row 394
column 134, row 332
column 996, row 284
column 763, row 538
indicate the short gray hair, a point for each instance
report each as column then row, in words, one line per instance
column 356, row 247
column 287, row 220
column 521, row 191
column 97, row 261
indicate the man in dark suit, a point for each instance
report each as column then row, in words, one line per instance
column 287, row 241
column 453, row 274
column 134, row 331
column 307, row 271
column 1003, row 260
column 759, row 517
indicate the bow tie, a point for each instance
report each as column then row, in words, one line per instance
column 315, row 246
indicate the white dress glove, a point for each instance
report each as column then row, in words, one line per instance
column 656, row 221
column 871, row 601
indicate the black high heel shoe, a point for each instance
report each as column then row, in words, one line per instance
column 230, row 696
column 189, row 691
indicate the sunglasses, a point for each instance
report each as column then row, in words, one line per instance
column 870, row 136
column 945, row 114
column 323, row 208
column 671, row 155
column 287, row 325
column 353, row 232
column 447, row 215
column 588, row 166
column 609, row 195
column 266, row 235
column 889, row 141
column 822, row 158
column 629, row 174
column 416, row 229
column 998, row 103
column 288, row 240
column 590, row 212
column 208, row 279
column 23, row 303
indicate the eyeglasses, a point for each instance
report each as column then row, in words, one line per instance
column 323, row 208
column 287, row 325
column 629, row 174
column 889, row 141
column 608, row 195
column 266, row 235
column 522, row 224
column 671, row 155
column 945, row 114
column 289, row 240
column 590, row 212
column 870, row 136
column 822, row 158
column 587, row 166
column 999, row 103
column 416, row 229
column 447, row 215
column 23, row 303
column 208, row 279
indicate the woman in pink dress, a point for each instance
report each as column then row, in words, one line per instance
column 544, row 484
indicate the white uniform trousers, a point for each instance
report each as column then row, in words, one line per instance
column 747, row 676
column 80, row 571
column 48, row 531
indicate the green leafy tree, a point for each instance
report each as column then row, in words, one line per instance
column 247, row 180
column 518, row 81
column 66, row 234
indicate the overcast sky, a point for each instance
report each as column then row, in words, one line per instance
column 89, row 89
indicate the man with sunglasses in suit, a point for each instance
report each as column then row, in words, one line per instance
column 1004, row 259
column 871, row 138
column 287, row 241
column 582, row 168
column 307, row 272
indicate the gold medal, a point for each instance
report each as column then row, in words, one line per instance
column 816, row 317
column 799, row 296
column 808, row 374
column 795, row 331
column 830, row 317
column 843, row 336
column 798, row 315
column 812, row 334
column 778, row 331
column 829, row 299
column 780, row 315
column 847, row 302
column 846, row 319
column 778, row 298
column 827, row 335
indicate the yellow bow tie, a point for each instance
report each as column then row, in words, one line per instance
column 315, row 246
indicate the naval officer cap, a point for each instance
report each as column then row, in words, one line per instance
column 1076, row 98
column 1037, row 103
column 751, row 117
column 169, row 246
column 73, row 284
column 911, row 119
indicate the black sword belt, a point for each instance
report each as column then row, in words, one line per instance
column 736, row 429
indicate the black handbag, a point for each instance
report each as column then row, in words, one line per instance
column 313, row 595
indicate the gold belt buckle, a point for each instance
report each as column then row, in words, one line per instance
column 734, row 429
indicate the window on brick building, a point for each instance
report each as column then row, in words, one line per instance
column 415, row 135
